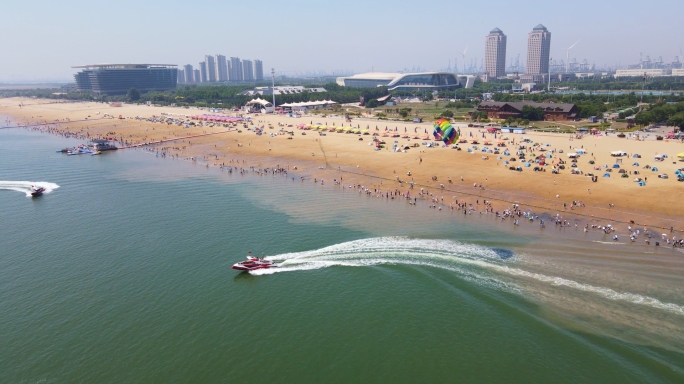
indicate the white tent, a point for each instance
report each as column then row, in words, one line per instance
column 260, row 101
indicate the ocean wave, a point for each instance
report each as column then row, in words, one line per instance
column 25, row 186
column 444, row 254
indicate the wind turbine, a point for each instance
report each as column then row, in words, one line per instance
column 464, row 61
column 567, row 57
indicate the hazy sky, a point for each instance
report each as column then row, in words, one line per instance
column 42, row 39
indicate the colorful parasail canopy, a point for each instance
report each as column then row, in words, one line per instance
column 445, row 132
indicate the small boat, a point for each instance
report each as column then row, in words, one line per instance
column 253, row 263
column 35, row 192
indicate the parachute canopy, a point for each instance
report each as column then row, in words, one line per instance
column 445, row 132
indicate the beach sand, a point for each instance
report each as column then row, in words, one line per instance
column 344, row 156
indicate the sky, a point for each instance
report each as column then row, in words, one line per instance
column 40, row 40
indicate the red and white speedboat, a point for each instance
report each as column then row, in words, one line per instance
column 253, row 263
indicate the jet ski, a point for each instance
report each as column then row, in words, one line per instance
column 253, row 263
column 37, row 191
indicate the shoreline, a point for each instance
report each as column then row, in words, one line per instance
column 374, row 177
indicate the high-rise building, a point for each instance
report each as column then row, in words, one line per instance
column 495, row 54
column 235, row 69
column 538, row 51
column 211, row 68
column 117, row 79
column 181, row 77
column 203, row 72
column 197, row 76
column 221, row 69
column 247, row 70
column 258, row 70
column 189, row 74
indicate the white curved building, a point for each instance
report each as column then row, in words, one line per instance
column 423, row 81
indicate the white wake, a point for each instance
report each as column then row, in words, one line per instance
column 445, row 254
column 25, row 186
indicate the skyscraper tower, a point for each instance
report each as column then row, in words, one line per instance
column 235, row 69
column 211, row 68
column 197, row 76
column 247, row 70
column 189, row 74
column 495, row 54
column 221, row 68
column 258, row 70
column 538, row 51
column 203, row 71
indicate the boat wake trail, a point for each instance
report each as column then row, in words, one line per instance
column 492, row 267
column 25, row 186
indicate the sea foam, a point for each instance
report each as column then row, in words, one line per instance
column 25, row 186
column 444, row 254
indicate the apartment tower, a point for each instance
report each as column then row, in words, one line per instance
column 203, row 72
column 235, row 69
column 258, row 70
column 189, row 74
column 211, row 68
column 247, row 70
column 221, row 68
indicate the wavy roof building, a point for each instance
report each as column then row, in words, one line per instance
column 423, row 81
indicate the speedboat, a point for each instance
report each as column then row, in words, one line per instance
column 253, row 263
column 37, row 191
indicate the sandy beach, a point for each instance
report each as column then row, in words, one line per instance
column 348, row 159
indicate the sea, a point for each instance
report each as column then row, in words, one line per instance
column 121, row 273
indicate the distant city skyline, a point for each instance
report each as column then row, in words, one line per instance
column 69, row 34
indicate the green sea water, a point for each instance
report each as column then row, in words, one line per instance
column 122, row 274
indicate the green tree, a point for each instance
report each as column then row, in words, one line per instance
column 644, row 118
column 133, row 94
column 447, row 113
column 372, row 103
column 677, row 120
column 533, row 114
